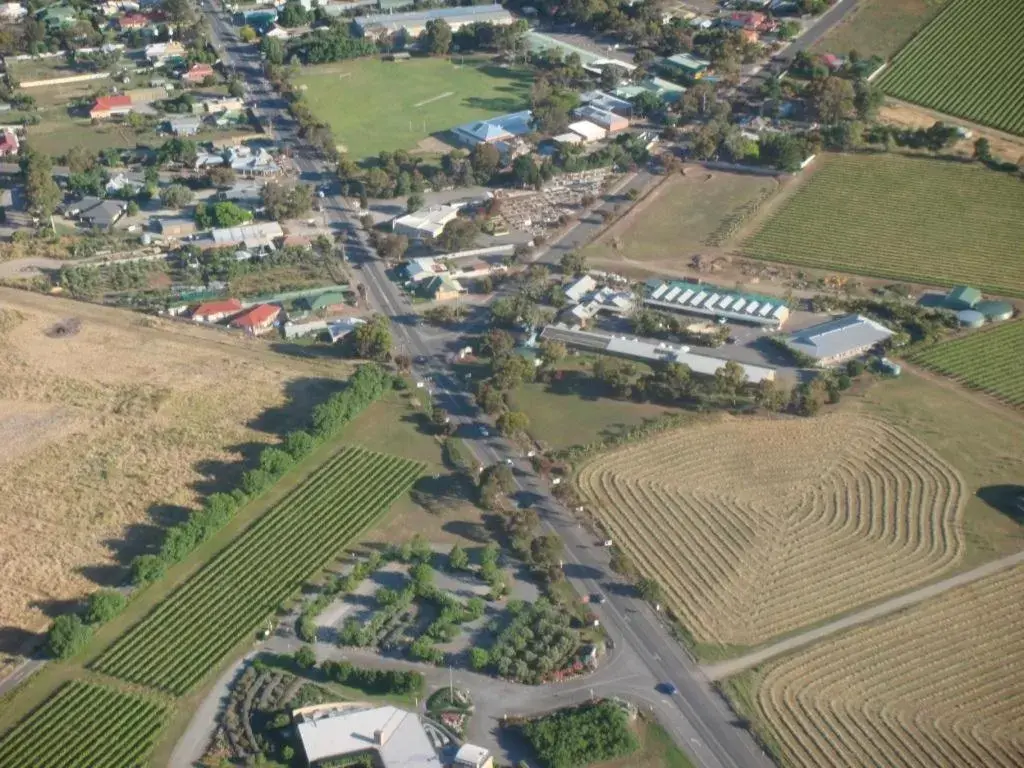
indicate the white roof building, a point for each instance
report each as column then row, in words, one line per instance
column 12, row 11
column 251, row 236
column 589, row 131
column 426, row 222
column 580, row 288
column 472, row 756
column 398, row 737
column 839, row 339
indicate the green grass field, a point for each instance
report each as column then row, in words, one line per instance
column 373, row 105
column 968, row 62
column 989, row 360
column 919, row 220
column 878, row 27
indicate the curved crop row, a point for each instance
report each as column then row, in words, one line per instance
column 184, row 637
column 84, row 724
column 756, row 528
column 939, row 685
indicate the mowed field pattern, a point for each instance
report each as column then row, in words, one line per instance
column 903, row 218
column 991, row 360
column 968, row 62
column 757, row 527
column 84, row 726
column 939, row 685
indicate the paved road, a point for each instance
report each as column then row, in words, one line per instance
column 749, row 661
column 817, row 30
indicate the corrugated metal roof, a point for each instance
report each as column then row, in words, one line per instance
column 838, row 337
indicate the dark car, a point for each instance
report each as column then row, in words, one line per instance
column 667, row 688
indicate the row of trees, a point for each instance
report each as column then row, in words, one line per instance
column 70, row 633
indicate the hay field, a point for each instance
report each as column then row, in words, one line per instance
column 114, row 431
column 756, row 527
column 939, row 685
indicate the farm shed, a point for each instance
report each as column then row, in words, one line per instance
column 335, row 730
column 710, row 301
column 590, row 132
column 840, row 339
column 995, row 311
column 969, row 318
column 963, row 297
column 425, row 223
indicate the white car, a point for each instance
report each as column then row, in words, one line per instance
column 509, row 462
column 484, row 432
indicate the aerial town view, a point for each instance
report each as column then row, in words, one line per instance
column 520, row 384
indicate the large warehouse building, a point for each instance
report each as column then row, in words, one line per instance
column 709, row 301
column 840, row 339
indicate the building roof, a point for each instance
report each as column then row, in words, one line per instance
column 580, row 288
column 224, row 307
column 9, row 141
column 603, row 117
column 200, row 71
column 838, row 337
column 712, row 301
column 688, row 62
column 964, row 295
column 459, row 14
column 100, row 213
column 442, row 284
column 104, row 103
column 588, row 130
column 398, row 736
column 254, row 234
column 594, row 62
column 606, row 101
column 324, row 300
column 472, row 754
column 497, row 128
column 258, row 315
column 185, row 124
column 428, row 220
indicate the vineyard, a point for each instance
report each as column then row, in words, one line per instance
column 85, row 724
column 968, row 62
column 990, row 361
column 755, row 528
column 938, row 685
column 902, row 218
column 184, row 637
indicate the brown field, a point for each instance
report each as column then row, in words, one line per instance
column 777, row 524
column 939, row 685
column 116, row 430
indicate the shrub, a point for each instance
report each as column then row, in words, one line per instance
column 67, row 636
column 104, row 605
column 146, row 569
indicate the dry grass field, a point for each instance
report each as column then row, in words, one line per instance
column 758, row 527
column 939, row 685
column 115, row 430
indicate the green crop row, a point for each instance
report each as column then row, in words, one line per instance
column 968, row 62
column 85, row 724
column 183, row 638
column 988, row 360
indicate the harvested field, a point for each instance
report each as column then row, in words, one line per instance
column 939, row 685
column 758, row 527
column 115, row 431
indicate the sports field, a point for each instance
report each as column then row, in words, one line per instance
column 373, row 105
column 990, row 360
column 937, row 685
column 920, row 220
column 968, row 62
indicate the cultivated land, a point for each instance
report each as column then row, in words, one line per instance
column 683, row 217
column 937, row 685
column 119, row 729
column 989, row 360
column 373, row 105
column 779, row 523
column 878, row 27
column 968, row 62
column 116, row 430
column 905, row 218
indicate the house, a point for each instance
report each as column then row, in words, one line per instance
column 159, row 54
column 610, row 121
column 208, row 160
column 750, row 20
column 339, row 329
column 327, row 302
column 425, row 223
column 496, row 131
column 579, row 289
column 588, row 131
column 257, row 320
column 126, row 183
column 665, row 90
column 246, row 161
column 833, row 62
column 185, row 126
column 222, row 106
column 176, row 227
column 197, row 74
column 9, row 143
column 215, row 311
column 252, row 237
column 107, row 106
column 607, row 102
column 962, row 297
column 399, row 738
column 277, row 32
column 472, row 756
column 133, row 21
column 837, row 340
column 412, row 23
column 685, row 66
column 12, row 12
column 441, row 288
column 98, row 213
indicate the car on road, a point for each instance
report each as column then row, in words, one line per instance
column 509, row 461
column 597, row 598
column 668, row 689
column 484, row 432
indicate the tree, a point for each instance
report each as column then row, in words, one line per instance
column 547, row 550
column 526, row 172
column 646, row 104
column 610, row 77
column 649, row 590
column 552, row 352
column 484, row 160
column 458, row 234
column 80, row 160
column 478, row 659
column 146, row 569
column 867, row 100
column 513, row 423
column 41, row 190
column 512, row 371
column 497, row 345
column 983, row 150
column 221, row 176
column 438, row 37
column 832, row 98
column 458, row 560
column 294, row 15
column 248, row 35
column 441, row 420
column 305, row 657
column 286, row 201
column 414, row 203
column 730, row 379
column 274, row 50
column 223, row 214
column 176, row 196
column 67, row 636
column 104, row 605
column 373, row 338
column 574, row 263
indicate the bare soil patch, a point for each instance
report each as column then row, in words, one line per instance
column 1004, row 145
column 115, row 427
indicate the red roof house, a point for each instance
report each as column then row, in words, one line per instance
column 198, row 73
column 755, row 20
column 258, row 319
column 133, row 21
column 107, row 106
column 832, row 61
column 212, row 311
column 9, row 143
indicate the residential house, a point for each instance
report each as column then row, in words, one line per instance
column 423, row 268
column 472, row 756
column 754, row 21
column 107, row 106
column 413, row 23
column 611, row 122
column 665, row 90
column 222, row 106
column 326, row 303
column 133, row 21
column 607, row 102
column 426, row 222
column 833, row 62
column 277, row 32
column 252, row 237
column 9, row 143
column 215, row 311
column 442, row 288
column 197, row 74
column 176, row 228
column 576, row 292
column 588, row 131
column 257, row 320
column 159, row 54
column 246, row 161
column 125, row 183
column 208, row 160
column 185, row 126
column 12, row 12
column 96, row 212
column 685, row 66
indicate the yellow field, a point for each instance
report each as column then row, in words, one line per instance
column 756, row 527
column 938, row 686
column 115, row 431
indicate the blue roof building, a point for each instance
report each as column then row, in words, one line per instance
column 496, row 130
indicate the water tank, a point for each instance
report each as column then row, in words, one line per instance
column 970, row 318
column 146, row 238
column 995, row 310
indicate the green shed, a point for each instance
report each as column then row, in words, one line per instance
column 325, row 300
column 963, row 297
